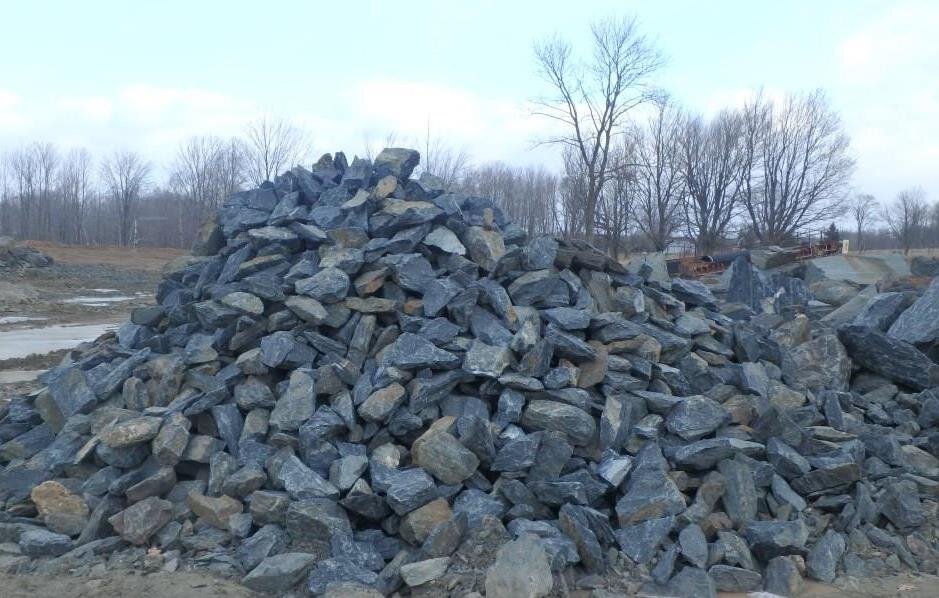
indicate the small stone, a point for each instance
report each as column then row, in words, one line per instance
column 38, row 542
column 444, row 457
column 735, row 579
column 214, row 511
column 382, row 403
column 641, row 541
column 417, row 525
column 696, row 417
column 694, row 546
column 141, row 520
column 421, row 572
column 131, row 431
column 444, row 239
column 521, row 570
column 576, row 424
column 246, row 303
column 770, row 539
column 279, row 573
column 823, row 558
column 781, row 577
column 329, row 285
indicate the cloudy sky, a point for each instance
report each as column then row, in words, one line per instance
column 146, row 75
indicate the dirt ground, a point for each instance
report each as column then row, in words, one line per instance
column 80, row 288
column 122, row 584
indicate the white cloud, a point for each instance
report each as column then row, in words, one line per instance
column 95, row 109
column 10, row 115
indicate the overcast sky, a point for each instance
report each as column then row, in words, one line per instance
column 146, row 75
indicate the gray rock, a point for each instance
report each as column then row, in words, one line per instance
column 691, row 582
column 696, row 417
column 692, row 292
column 575, row 523
column 650, row 494
column 279, row 573
column 821, row 563
column 397, row 162
column 444, row 457
column 300, row 481
column 334, row 571
column 769, row 539
column 740, row 497
column 445, row 240
column 576, row 424
column 297, row 404
column 486, row 360
column 410, row 489
column 735, row 579
column 919, row 324
column 521, row 569
column 411, row 351
column 694, row 546
column 476, row 505
column 704, row 454
column 329, row 285
column 901, row 505
column 641, row 541
column 267, row 541
column 37, row 542
column 421, row 572
column 822, row 363
column 781, row 577
column 894, row 359
column 141, row 520
column 485, row 247
column 880, row 311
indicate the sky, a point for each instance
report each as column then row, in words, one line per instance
column 147, row 75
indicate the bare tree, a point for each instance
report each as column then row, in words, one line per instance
column 527, row 196
column 907, row 217
column 660, row 184
column 592, row 99
column 439, row 159
column 272, row 145
column 711, row 160
column 615, row 208
column 797, row 165
column 125, row 174
column 76, row 187
column 863, row 211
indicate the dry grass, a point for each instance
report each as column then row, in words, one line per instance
column 150, row 259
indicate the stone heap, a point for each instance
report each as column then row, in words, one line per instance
column 364, row 383
column 18, row 257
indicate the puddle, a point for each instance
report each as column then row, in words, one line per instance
column 21, row 343
column 16, row 376
column 19, row 319
column 106, row 291
column 97, row 301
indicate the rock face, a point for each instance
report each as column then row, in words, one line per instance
column 819, row 364
column 363, row 384
column 919, row 324
column 894, row 359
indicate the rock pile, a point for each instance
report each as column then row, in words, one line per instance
column 363, row 382
column 17, row 257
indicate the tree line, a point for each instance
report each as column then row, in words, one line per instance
column 640, row 172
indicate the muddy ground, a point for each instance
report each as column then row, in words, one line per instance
column 85, row 286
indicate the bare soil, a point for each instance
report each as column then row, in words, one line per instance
column 77, row 272
column 121, row 584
